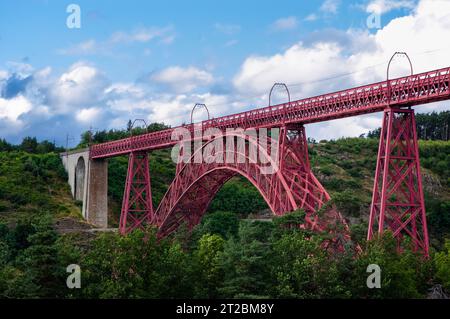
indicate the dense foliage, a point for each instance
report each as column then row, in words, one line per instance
column 32, row 183
column 102, row 136
column 30, row 145
column 430, row 126
column 262, row 259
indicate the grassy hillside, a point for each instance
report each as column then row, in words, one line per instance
column 34, row 184
column 346, row 168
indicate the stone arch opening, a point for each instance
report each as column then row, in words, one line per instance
column 80, row 175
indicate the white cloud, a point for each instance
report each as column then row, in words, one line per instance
column 142, row 35
column 131, row 100
column 182, row 79
column 311, row 17
column 350, row 126
column 12, row 109
column 43, row 74
column 20, row 68
column 330, row 6
column 125, row 89
column 384, row 6
column 417, row 33
column 126, row 98
column 296, row 64
column 175, row 110
column 172, row 110
column 82, row 94
column 79, row 73
column 81, row 85
column 287, row 23
column 88, row 115
column 167, row 108
column 420, row 31
column 82, row 48
column 3, row 75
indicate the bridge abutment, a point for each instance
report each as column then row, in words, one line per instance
column 96, row 207
column 88, row 181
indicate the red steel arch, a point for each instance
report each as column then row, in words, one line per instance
column 292, row 185
column 404, row 215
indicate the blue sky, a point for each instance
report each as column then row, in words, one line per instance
column 220, row 33
column 155, row 59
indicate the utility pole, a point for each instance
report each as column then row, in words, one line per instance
column 68, row 138
column 90, row 136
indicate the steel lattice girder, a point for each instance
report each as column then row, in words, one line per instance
column 293, row 185
column 398, row 201
column 411, row 90
column 137, row 208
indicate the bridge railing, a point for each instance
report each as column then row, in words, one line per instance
column 411, row 90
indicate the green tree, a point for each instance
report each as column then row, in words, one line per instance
column 225, row 224
column 136, row 266
column 442, row 264
column 210, row 270
column 430, row 126
column 29, row 144
column 45, row 147
column 4, row 253
column 246, row 261
column 288, row 224
column 5, row 146
column 39, row 260
column 19, row 236
column 302, row 269
column 403, row 275
column 238, row 196
column 14, row 283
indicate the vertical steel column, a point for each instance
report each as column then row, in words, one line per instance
column 137, row 208
column 308, row 192
column 397, row 200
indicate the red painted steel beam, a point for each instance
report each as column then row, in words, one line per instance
column 406, row 91
column 291, row 187
column 398, row 202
